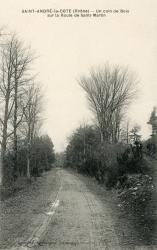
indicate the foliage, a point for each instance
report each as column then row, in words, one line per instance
column 134, row 133
column 108, row 163
column 138, row 198
column 60, row 159
column 41, row 158
column 153, row 121
column 131, row 160
column 86, row 154
column 79, row 152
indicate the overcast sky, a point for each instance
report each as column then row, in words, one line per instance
column 68, row 47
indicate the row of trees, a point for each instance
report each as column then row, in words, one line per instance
column 20, row 105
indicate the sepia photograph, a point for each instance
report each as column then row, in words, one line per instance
column 78, row 125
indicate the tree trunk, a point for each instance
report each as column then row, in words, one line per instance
column 127, row 133
column 28, row 167
column 15, row 130
column 4, row 138
column 28, row 145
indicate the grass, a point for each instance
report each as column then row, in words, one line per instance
column 21, row 212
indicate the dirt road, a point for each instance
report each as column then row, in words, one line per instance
column 81, row 221
column 69, row 212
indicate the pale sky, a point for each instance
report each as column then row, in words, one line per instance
column 68, row 47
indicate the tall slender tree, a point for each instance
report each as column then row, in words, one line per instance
column 6, row 88
column 21, row 63
column 32, row 118
column 14, row 78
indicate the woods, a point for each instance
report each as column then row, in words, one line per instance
column 20, row 113
column 112, row 151
column 108, row 150
column 105, row 148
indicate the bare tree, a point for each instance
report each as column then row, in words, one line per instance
column 6, row 88
column 14, row 77
column 109, row 90
column 32, row 118
column 134, row 133
column 21, row 63
column 116, row 125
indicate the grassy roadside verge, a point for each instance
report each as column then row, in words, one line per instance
column 21, row 213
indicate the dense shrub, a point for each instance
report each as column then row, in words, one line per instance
column 86, row 154
column 132, row 161
column 41, row 158
column 108, row 163
column 127, row 168
column 138, row 198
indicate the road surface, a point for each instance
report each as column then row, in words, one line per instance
column 75, row 217
column 80, row 220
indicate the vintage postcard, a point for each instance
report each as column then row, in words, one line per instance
column 78, row 125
